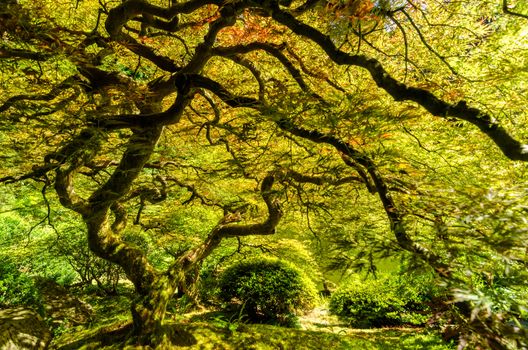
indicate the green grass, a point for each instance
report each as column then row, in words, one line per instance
column 217, row 330
column 212, row 335
column 272, row 337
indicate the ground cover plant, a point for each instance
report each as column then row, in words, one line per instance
column 150, row 144
column 16, row 288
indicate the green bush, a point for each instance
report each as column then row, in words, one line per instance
column 267, row 289
column 17, row 288
column 71, row 261
column 388, row 301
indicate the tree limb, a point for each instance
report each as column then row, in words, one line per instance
column 395, row 216
column 506, row 9
column 224, row 229
column 510, row 147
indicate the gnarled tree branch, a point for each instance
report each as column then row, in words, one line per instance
column 395, row 216
column 509, row 146
column 224, row 229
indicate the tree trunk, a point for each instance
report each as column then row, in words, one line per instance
column 106, row 218
column 153, row 288
column 148, row 310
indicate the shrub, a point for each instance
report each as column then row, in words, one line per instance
column 17, row 288
column 267, row 289
column 73, row 261
column 364, row 304
column 388, row 301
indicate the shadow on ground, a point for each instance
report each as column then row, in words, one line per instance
column 216, row 330
column 118, row 337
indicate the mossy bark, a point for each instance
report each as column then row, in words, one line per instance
column 148, row 310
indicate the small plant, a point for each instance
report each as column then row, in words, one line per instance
column 268, row 290
column 233, row 324
column 59, row 328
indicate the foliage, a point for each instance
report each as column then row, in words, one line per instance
column 387, row 301
column 55, row 245
column 51, row 266
column 216, row 333
column 267, row 288
column 17, row 288
column 293, row 251
column 339, row 132
column 491, row 279
column 89, row 268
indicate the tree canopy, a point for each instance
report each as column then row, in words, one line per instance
column 367, row 128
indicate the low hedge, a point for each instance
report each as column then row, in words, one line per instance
column 267, row 289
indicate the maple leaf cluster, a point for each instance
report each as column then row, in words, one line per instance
column 352, row 9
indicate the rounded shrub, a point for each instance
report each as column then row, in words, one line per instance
column 388, row 301
column 364, row 304
column 267, row 289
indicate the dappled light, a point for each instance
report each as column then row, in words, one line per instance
column 279, row 174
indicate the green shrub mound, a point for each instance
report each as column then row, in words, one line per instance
column 389, row 301
column 17, row 288
column 268, row 290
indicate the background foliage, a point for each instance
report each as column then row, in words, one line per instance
column 459, row 200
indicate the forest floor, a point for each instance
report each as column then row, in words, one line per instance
column 208, row 329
